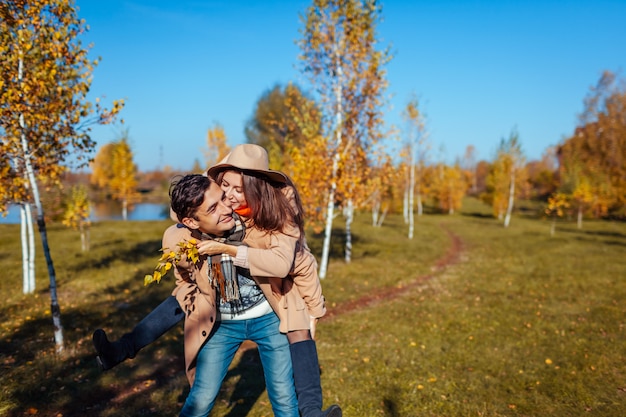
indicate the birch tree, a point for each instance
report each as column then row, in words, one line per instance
column 76, row 214
column 449, row 187
column 512, row 158
column 340, row 57
column 44, row 114
column 417, row 151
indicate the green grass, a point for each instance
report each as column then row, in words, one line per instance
column 521, row 324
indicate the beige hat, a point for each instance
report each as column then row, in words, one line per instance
column 248, row 158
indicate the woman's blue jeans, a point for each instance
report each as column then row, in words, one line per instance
column 218, row 352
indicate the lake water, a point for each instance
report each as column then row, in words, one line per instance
column 108, row 211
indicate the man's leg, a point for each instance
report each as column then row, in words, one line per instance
column 154, row 325
column 276, row 360
column 211, row 367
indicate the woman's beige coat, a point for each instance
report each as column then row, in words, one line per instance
column 198, row 298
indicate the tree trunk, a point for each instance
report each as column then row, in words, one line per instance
column 418, row 180
column 509, row 208
column 382, row 218
column 55, row 310
column 27, row 254
column 420, row 206
column 579, row 221
column 405, row 205
column 349, row 211
column 125, row 209
column 411, row 195
column 375, row 212
column 330, row 206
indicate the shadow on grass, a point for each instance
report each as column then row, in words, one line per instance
column 606, row 237
column 141, row 251
column 72, row 385
column 250, row 383
column 337, row 243
column 478, row 215
column 601, row 233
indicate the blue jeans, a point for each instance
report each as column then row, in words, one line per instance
column 217, row 353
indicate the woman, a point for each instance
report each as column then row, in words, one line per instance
column 270, row 207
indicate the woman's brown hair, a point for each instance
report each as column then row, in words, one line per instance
column 271, row 209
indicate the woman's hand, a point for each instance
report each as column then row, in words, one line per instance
column 211, row 247
column 313, row 325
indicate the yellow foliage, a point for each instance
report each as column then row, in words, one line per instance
column 77, row 209
column 449, row 187
column 187, row 249
column 217, row 148
column 557, row 202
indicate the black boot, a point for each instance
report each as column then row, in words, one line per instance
column 155, row 324
column 306, row 376
column 111, row 353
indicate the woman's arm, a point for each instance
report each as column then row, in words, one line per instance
column 211, row 247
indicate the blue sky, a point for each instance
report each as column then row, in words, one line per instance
column 479, row 68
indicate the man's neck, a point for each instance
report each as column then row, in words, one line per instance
column 200, row 234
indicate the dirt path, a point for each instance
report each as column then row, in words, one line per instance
column 451, row 257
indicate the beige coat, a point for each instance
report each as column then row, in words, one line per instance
column 272, row 255
column 198, row 298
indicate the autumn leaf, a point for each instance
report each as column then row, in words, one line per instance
column 186, row 249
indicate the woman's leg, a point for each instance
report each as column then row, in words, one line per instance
column 306, row 376
column 154, row 325
column 211, row 366
column 276, row 359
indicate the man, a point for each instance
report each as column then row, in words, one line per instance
column 213, row 333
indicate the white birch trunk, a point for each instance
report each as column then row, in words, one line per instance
column 405, row 205
column 411, row 195
column 509, row 208
column 349, row 212
column 579, row 220
column 26, row 287
column 31, row 246
column 375, row 211
column 382, row 218
column 124, row 209
column 420, row 206
column 330, row 206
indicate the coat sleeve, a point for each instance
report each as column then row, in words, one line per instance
column 307, row 281
column 276, row 256
column 272, row 254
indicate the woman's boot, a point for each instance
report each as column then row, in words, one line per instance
column 306, row 376
column 153, row 326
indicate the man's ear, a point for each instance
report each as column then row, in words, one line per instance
column 191, row 223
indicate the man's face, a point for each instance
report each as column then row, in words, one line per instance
column 215, row 214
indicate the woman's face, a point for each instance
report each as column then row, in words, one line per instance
column 232, row 185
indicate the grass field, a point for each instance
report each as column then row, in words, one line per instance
column 466, row 319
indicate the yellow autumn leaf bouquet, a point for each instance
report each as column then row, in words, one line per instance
column 186, row 248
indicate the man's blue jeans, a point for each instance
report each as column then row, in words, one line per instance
column 218, row 352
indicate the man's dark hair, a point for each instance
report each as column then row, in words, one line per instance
column 187, row 194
